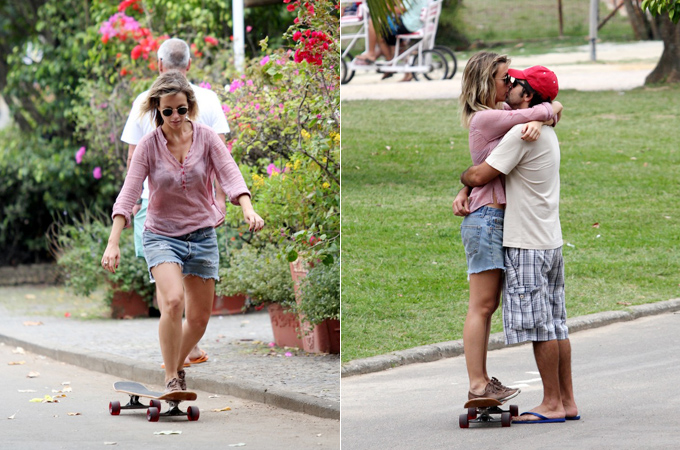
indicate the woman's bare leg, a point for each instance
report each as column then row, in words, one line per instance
column 200, row 294
column 170, row 295
column 484, row 298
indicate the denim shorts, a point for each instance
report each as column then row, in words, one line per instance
column 482, row 234
column 196, row 252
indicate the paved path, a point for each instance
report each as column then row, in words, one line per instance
column 619, row 67
column 240, row 363
column 81, row 421
column 624, row 378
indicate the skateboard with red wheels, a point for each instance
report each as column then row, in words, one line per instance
column 482, row 410
column 153, row 411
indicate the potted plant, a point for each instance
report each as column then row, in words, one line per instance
column 78, row 249
column 317, row 292
column 264, row 277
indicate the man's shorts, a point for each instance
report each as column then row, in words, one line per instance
column 139, row 220
column 196, row 252
column 534, row 306
column 482, row 234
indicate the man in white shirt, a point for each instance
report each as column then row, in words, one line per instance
column 173, row 54
column 533, row 293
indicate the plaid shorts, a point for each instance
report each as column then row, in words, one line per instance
column 534, row 306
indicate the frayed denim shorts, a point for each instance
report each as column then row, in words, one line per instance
column 196, row 252
column 482, row 234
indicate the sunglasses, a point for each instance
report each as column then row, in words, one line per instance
column 506, row 79
column 167, row 112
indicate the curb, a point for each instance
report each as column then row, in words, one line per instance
column 434, row 352
column 147, row 373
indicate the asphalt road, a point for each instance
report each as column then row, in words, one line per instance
column 625, row 376
column 25, row 425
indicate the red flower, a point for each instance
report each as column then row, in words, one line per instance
column 210, row 40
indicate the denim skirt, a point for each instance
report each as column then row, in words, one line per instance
column 482, row 234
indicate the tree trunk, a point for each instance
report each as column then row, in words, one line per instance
column 637, row 20
column 668, row 68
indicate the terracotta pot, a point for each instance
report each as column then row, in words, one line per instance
column 229, row 304
column 285, row 326
column 323, row 338
column 126, row 305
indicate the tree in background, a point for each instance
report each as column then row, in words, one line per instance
column 668, row 68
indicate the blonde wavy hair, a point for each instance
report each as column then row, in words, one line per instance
column 168, row 83
column 479, row 84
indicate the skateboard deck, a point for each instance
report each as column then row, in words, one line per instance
column 482, row 410
column 137, row 390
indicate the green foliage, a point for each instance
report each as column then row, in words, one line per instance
column 260, row 273
column 319, row 294
column 79, row 247
column 287, row 138
column 658, row 7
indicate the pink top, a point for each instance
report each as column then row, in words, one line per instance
column 487, row 129
column 181, row 196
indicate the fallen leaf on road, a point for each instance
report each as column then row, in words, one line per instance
column 47, row 399
column 166, row 432
column 67, row 389
column 226, row 408
column 32, row 324
column 16, row 363
column 33, row 375
column 19, row 351
column 74, row 414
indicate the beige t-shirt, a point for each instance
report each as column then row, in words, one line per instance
column 532, row 189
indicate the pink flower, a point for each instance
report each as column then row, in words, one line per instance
column 79, row 155
column 265, row 60
column 97, row 173
column 271, row 168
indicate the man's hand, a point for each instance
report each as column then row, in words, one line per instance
column 461, row 205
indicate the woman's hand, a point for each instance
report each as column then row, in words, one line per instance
column 111, row 257
column 461, row 206
column 531, row 131
column 255, row 222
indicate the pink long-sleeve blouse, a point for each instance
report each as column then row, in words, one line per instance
column 181, row 196
column 487, row 128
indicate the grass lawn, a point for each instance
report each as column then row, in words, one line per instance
column 403, row 265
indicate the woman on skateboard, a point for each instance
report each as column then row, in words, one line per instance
column 485, row 85
column 180, row 157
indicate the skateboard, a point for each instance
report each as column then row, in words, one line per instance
column 481, row 410
column 153, row 411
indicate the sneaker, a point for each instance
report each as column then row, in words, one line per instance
column 492, row 391
column 173, row 386
column 508, row 392
column 182, row 376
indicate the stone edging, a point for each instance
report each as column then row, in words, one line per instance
column 434, row 352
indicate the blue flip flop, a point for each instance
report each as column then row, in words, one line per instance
column 573, row 418
column 542, row 418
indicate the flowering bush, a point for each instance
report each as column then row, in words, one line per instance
column 287, row 110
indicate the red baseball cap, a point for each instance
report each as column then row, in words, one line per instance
column 541, row 80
